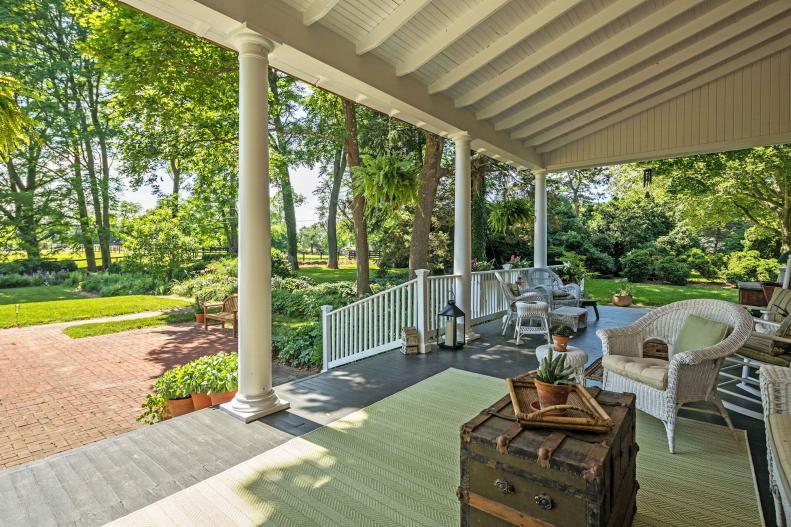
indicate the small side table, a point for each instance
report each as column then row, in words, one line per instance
column 575, row 358
column 591, row 303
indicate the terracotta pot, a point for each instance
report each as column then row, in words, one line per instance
column 200, row 318
column 552, row 394
column 561, row 343
column 622, row 300
column 200, row 400
column 221, row 397
column 178, row 407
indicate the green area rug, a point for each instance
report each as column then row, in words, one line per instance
column 396, row 463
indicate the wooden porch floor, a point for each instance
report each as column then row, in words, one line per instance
column 96, row 483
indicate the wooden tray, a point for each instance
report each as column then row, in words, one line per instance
column 581, row 412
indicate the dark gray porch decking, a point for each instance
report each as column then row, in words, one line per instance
column 97, row 483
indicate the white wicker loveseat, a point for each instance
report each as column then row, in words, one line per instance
column 776, row 397
column 551, row 286
column 662, row 387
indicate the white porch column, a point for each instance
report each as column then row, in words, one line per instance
column 462, row 230
column 540, row 237
column 255, row 397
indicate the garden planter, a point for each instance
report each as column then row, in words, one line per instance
column 507, row 267
column 200, row 400
column 552, row 394
column 221, row 397
column 561, row 343
column 178, row 407
column 200, row 318
column 622, row 300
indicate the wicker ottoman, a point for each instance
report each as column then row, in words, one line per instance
column 576, row 317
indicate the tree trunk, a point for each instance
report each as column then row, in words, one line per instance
column 104, row 184
column 430, row 174
column 290, row 217
column 175, row 173
column 338, row 168
column 86, row 232
column 358, row 201
column 478, row 206
column 24, row 217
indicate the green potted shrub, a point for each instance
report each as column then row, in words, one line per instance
column 194, row 375
column 171, row 387
column 222, row 377
column 622, row 296
column 560, row 336
column 553, row 380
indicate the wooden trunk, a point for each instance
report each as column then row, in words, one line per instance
column 543, row 477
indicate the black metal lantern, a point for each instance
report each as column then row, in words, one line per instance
column 450, row 326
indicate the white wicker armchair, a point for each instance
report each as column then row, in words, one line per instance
column 528, row 295
column 689, row 376
column 550, row 284
column 776, row 397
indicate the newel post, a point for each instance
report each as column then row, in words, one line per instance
column 326, row 338
column 421, row 310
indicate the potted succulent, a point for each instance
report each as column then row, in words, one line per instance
column 553, row 380
column 622, row 296
column 222, row 377
column 560, row 336
column 172, row 388
column 194, row 374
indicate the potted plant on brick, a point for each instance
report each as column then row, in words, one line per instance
column 172, row 388
column 222, row 377
column 622, row 296
column 553, row 380
column 194, row 374
column 560, row 336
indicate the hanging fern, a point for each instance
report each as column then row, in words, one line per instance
column 509, row 213
column 387, row 180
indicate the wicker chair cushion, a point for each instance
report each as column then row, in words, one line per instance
column 698, row 333
column 560, row 293
column 652, row 372
column 761, row 356
column 769, row 346
column 780, row 304
column 513, row 288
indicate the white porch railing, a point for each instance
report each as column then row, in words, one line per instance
column 373, row 325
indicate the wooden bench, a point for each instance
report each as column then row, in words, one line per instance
column 230, row 307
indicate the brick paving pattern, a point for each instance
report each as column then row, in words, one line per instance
column 57, row 393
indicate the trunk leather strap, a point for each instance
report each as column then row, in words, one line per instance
column 548, row 447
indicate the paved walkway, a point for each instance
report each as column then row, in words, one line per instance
column 57, row 393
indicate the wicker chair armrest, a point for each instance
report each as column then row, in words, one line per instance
column 626, row 341
column 775, row 389
column 772, row 337
column 766, row 323
column 574, row 289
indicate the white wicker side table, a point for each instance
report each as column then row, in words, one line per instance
column 575, row 358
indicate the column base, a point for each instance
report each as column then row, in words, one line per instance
column 249, row 409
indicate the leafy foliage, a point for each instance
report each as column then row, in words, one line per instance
column 746, row 266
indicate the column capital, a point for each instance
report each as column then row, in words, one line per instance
column 461, row 138
column 540, row 172
column 249, row 42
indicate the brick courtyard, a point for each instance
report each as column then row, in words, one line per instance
column 57, row 393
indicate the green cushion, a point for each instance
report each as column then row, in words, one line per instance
column 697, row 333
column 779, row 304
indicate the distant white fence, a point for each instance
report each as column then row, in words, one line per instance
column 373, row 324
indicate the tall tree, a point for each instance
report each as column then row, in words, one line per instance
column 352, row 147
column 430, row 174
column 582, row 186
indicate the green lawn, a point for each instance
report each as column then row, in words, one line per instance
column 659, row 294
column 42, row 293
column 34, row 309
column 344, row 273
column 92, row 329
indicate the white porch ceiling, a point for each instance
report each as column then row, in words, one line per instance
column 538, row 83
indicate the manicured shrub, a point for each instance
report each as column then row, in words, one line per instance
column 37, row 266
column 637, row 264
column 705, row 264
column 746, row 266
column 671, row 270
column 654, row 263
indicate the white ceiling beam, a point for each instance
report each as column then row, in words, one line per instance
column 613, row 89
column 444, row 38
column 392, row 23
column 549, row 50
column 772, row 46
column 589, row 56
column 521, row 32
column 317, row 10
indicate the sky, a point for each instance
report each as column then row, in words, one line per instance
column 303, row 179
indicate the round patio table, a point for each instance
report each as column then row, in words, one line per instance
column 575, row 358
